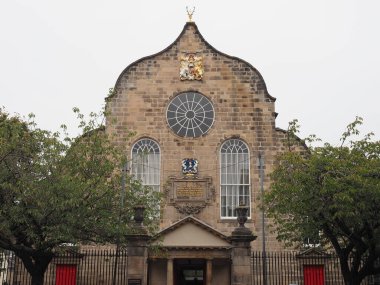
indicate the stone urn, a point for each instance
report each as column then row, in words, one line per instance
column 139, row 215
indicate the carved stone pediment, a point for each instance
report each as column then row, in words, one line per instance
column 189, row 194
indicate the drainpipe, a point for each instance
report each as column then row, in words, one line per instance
column 125, row 169
column 261, row 166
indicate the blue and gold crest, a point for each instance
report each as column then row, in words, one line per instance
column 189, row 166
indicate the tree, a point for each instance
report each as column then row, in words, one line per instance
column 56, row 191
column 333, row 189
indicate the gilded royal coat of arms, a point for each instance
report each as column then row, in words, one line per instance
column 191, row 67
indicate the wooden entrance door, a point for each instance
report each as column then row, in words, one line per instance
column 313, row 275
column 66, row 274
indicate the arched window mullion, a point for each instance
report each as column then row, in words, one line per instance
column 234, row 177
column 146, row 162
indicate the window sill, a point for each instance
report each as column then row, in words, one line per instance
column 233, row 221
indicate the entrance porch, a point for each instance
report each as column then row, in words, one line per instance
column 192, row 252
column 189, row 271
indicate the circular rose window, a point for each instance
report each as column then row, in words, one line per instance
column 190, row 114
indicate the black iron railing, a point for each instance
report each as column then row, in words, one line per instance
column 295, row 268
column 107, row 267
column 85, row 267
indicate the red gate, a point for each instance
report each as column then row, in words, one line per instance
column 66, row 274
column 313, row 275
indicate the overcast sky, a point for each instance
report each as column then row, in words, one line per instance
column 319, row 58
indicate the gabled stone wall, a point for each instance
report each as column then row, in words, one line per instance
column 243, row 109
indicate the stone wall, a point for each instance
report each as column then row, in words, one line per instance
column 243, row 109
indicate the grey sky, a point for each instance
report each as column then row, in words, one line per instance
column 319, row 58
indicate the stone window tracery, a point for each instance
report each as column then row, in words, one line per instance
column 190, row 114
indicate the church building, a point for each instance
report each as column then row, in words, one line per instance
column 205, row 137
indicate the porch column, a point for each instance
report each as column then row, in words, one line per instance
column 169, row 272
column 209, row 272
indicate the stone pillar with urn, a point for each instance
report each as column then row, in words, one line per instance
column 137, row 248
column 241, row 238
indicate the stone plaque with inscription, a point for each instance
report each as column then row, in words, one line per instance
column 190, row 190
column 189, row 195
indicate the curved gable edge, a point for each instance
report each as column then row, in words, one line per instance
column 271, row 98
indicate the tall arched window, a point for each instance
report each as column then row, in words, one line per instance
column 146, row 162
column 234, row 177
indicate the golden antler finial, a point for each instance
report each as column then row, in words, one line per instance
column 190, row 13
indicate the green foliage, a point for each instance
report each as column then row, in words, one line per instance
column 55, row 189
column 334, row 189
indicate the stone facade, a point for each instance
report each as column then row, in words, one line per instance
column 243, row 110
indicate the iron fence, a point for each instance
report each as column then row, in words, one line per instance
column 295, row 268
column 85, row 267
column 107, row 267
